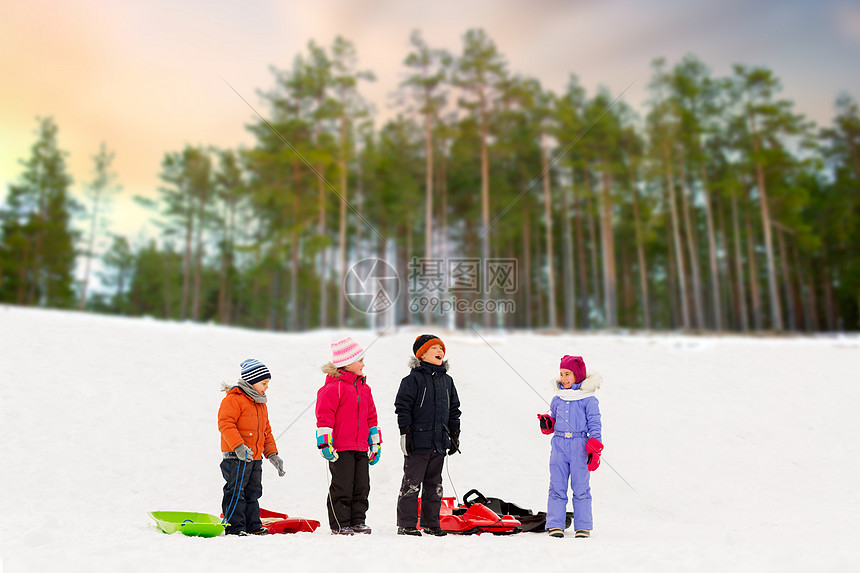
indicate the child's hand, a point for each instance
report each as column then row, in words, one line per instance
column 278, row 463
column 374, row 440
column 244, row 453
column 455, row 443
column 329, row 453
column 375, row 453
column 547, row 423
column 406, row 445
column 593, row 448
column 324, row 443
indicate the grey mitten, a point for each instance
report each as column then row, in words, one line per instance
column 245, row 453
column 278, row 463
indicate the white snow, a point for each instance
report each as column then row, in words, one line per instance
column 743, row 452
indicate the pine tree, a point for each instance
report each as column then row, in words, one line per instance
column 99, row 192
column 430, row 67
column 37, row 253
column 480, row 71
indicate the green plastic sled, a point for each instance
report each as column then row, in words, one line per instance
column 188, row 523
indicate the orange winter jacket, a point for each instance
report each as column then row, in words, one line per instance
column 241, row 420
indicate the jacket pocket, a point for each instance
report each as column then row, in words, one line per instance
column 422, row 437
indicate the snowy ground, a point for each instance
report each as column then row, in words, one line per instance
column 742, row 453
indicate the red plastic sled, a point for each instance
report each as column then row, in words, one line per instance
column 282, row 523
column 472, row 518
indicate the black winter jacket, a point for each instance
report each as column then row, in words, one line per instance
column 427, row 402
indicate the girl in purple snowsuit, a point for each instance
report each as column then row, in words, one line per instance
column 574, row 422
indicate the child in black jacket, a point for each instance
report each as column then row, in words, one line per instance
column 428, row 414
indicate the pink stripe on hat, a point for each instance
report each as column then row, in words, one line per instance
column 346, row 351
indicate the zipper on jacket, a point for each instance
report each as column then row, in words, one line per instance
column 357, row 408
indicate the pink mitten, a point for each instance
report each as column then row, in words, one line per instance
column 593, row 448
column 547, row 423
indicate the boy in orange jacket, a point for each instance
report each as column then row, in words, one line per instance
column 246, row 437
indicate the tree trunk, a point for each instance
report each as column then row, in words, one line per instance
column 89, row 254
column 550, row 257
column 428, row 206
column 692, row 248
column 322, row 258
column 294, row 284
column 608, row 242
column 527, row 271
column 712, row 253
column 786, row 280
column 592, row 232
column 567, row 248
column 727, row 285
column 626, row 311
column 341, row 306
column 186, row 262
column 537, row 252
column 675, row 312
column 640, row 257
column 743, row 314
column 198, row 261
column 582, row 274
column 829, row 305
column 758, row 320
column 485, row 192
column 21, row 295
column 676, row 239
column 804, row 287
column 775, row 310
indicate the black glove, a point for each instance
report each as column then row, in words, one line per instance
column 455, row 443
column 406, row 445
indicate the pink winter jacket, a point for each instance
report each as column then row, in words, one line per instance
column 345, row 404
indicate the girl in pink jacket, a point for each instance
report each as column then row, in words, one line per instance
column 347, row 436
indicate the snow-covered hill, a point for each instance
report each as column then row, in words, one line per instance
column 722, row 453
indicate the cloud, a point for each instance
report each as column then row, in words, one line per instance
column 847, row 20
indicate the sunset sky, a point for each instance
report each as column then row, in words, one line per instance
column 148, row 77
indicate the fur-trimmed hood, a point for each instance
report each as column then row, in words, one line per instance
column 329, row 369
column 586, row 388
column 415, row 363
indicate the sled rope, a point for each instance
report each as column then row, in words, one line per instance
column 547, row 403
column 330, row 504
column 448, row 471
column 239, row 480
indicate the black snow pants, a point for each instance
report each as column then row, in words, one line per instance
column 347, row 501
column 424, row 472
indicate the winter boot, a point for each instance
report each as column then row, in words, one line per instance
column 343, row 531
column 435, row 531
column 361, row 528
column 261, row 531
column 582, row 533
column 555, row 532
column 408, row 531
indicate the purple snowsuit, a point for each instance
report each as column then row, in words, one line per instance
column 577, row 418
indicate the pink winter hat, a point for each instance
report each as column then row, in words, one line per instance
column 345, row 351
column 575, row 364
